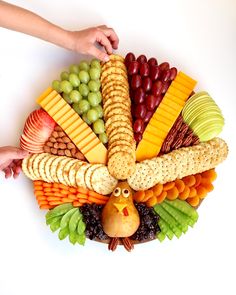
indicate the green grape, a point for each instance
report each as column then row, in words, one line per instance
column 103, row 137
column 56, row 85
column 99, row 109
column 92, row 115
column 74, row 69
column 64, row 76
column 84, row 76
column 74, row 80
column 93, row 99
column 83, row 89
column 76, row 107
column 84, row 65
column 99, row 96
column 94, row 85
column 66, row 86
column 98, row 126
column 95, row 63
column 94, row 73
column 67, row 97
column 84, row 106
column 85, row 118
column 75, row 96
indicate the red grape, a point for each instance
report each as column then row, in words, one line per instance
column 165, row 86
column 173, row 73
column 164, row 66
column 136, row 81
column 152, row 61
column 140, row 111
column 142, row 58
column 129, row 57
column 154, row 72
column 157, row 88
column 150, row 102
column 144, row 69
column 133, row 67
column 147, row 84
column 158, row 99
column 165, row 76
column 138, row 126
column 148, row 116
column 139, row 95
column 138, row 137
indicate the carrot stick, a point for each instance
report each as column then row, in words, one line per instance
column 42, row 203
column 77, row 204
column 72, row 197
column 47, row 189
column 45, row 184
column 72, row 190
column 83, row 201
column 53, row 199
column 82, row 190
column 56, row 185
column 52, row 203
column 39, row 193
column 62, row 186
column 66, row 200
column 41, row 198
column 38, row 188
column 38, row 182
column 82, row 196
column 98, row 196
column 52, row 194
column 54, row 189
column 64, row 192
column 46, row 207
column 97, row 201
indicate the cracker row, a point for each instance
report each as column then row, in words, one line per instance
column 70, row 172
column 178, row 164
column 117, row 113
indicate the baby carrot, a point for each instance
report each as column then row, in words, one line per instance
column 39, row 193
column 41, row 198
column 38, row 188
column 82, row 196
column 72, row 197
column 72, row 190
column 47, row 189
column 46, row 207
column 38, row 182
column 56, row 185
column 66, row 200
column 98, row 196
column 45, row 184
column 54, row 189
column 97, row 201
column 53, row 199
column 52, row 203
column 64, row 192
column 77, row 204
column 82, row 190
column 62, row 186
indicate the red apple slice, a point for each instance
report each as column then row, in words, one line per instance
column 46, row 120
column 34, row 138
column 30, row 149
column 29, row 145
column 33, row 133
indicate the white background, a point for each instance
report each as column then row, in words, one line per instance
column 199, row 38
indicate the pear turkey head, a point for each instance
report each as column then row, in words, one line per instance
column 120, row 218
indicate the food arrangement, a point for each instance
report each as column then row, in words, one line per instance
column 122, row 152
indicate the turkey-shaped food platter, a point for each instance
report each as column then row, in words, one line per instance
column 122, row 152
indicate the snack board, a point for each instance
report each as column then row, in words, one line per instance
column 122, row 151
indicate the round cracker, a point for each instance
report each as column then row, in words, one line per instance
column 24, row 167
column 112, row 70
column 114, row 118
column 118, row 124
column 66, row 170
column 124, row 147
column 36, row 162
column 116, row 100
column 113, row 87
column 125, row 130
column 47, row 168
column 118, row 111
column 79, row 176
column 30, row 166
column 102, row 181
column 121, row 136
column 88, row 173
column 60, row 170
column 72, row 173
column 114, row 63
column 121, row 165
column 116, row 57
column 115, row 77
column 41, row 167
column 54, row 167
column 115, row 83
column 115, row 105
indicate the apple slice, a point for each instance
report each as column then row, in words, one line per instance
column 45, row 119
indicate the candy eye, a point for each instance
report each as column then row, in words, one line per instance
column 125, row 193
column 117, row 192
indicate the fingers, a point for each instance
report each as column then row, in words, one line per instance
column 10, row 152
column 102, row 39
column 8, row 172
column 111, row 35
column 103, row 56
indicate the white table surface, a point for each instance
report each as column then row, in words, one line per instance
column 197, row 37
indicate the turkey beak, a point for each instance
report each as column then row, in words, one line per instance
column 120, row 207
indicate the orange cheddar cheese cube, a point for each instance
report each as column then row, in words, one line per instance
column 146, row 150
column 98, row 155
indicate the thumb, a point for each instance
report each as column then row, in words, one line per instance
column 99, row 54
column 15, row 153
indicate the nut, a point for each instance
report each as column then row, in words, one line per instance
column 59, row 139
column 79, row 156
column 46, row 149
column 56, row 145
column 61, row 145
column 55, row 134
column 113, row 244
column 61, row 153
column 67, row 153
column 65, row 139
column 52, row 139
column 61, row 134
column 70, row 145
column 54, row 151
column 73, row 152
column 57, row 128
column 49, row 144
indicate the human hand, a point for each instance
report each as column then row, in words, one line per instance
column 10, row 160
column 86, row 41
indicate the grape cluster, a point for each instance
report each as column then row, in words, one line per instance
column 148, row 227
column 92, row 218
column 148, row 84
column 80, row 87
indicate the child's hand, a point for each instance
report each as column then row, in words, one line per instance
column 10, row 160
column 86, row 41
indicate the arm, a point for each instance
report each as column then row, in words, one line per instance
column 18, row 19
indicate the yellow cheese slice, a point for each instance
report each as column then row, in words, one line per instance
column 158, row 116
column 177, row 93
column 165, row 114
column 184, row 88
column 62, row 115
column 175, row 106
column 90, row 145
column 45, row 94
column 152, row 138
column 187, row 78
column 45, row 100
column 97, row 155
column 82, row 143
column 167, row 109
column 183, row 82
column 175, row 99
column 70, row 121
column 83, row 135
column 56, row 107
column 154, row 130
column 75, row 137
column 146, row 150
